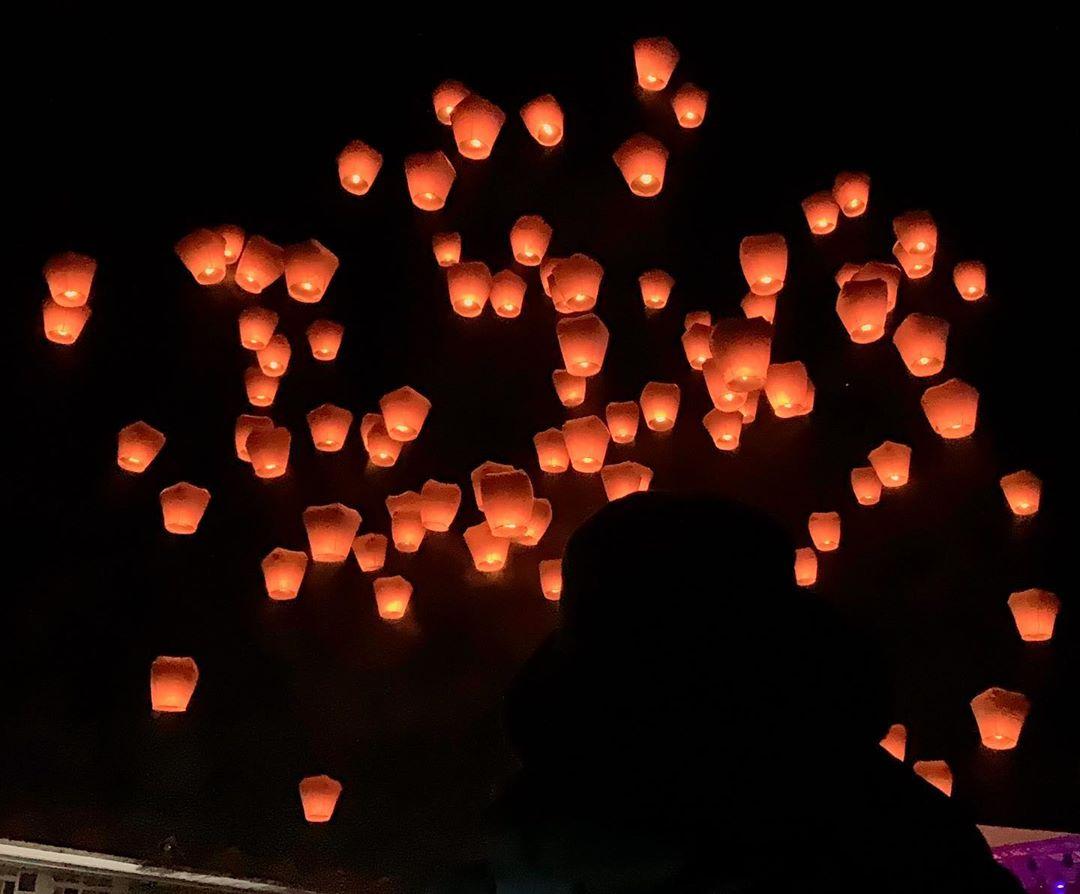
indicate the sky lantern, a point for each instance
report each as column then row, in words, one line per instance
column 805, row 566
column 508, row 502
column 203, row 253
column 381, row 448
column 370, row 551
column 476, row 123
column 324, row 338
column 137, row 446
column 446, row 97
column 551, row 450
column 583, row 341
column 642, row 160
column 821, row 212
column 660, row 405
column 697, row 317
column 358, row 165
column 722, row 396
column 622, row 421
column 915, row 266
column 404, row 411
column 890, row 274
column 63, row 325
column 309, row 267
column 507, row 294
column 1035, row 612
column 895, row 741
column 748, row 408
column 530, row 237
column 543, row 119
column 257, row 325
column 1022, row 491
column 969, row 277
column 283, row 572
column 789, row 389
column 547, row 267
column 1000, row 715
column 690, row 103
column 656, row 286
column 261, row 388
column 724, row 428
column 488, row 551
column 891, row 463
column 182, row 507
column 655, row 59
column 862, row 307
column 488, row 467
column 69, row 277
column 439, row 503
column 329, row 427
column 469, row 284
column 261, row 263
column 447, row 248
column 172, row 683
column 764, row 262
column 234, row 242
column 392, row 595
column 937, row 773
column 551, row 579
column 695, row 342
column 569, row 388
column 406, row 525
column 245, row 425
column 539, row 522
column 429, row 176
column 319, row 796
column 866, row 485
column 274, row 358
column 951, row 408
column 825, row 530
column 575, row 284
column 916, row 232
column 586, row 442
column 268, row 451
column 921, row 340
column 330, row 531
column 741, row 349
column 759, row 306
column 852, row 192
column 622, row 479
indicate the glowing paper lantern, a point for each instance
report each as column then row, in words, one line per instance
column 469, row 284
column 543, row 119
column 137, row 446
column 268, row 451
column 508, row 502
column 656, row 286
column 261, row 389
column 970, row 279
column 890, row 274
column 583, row 342
column 569, row 388
column 404, row 411
column 916, row 232
column 257, row 325
column 476, row 123
column 895, row 741
column 551, row 579
column 642, row 161
column 821, row 212
column 69, row 277
column 789, row 389
column 1022, row 492
column 245, row 425
column 274, row 358
column 329, row 427
column 805, row 567
column 722, row 396
column 862, row 307
column 478, row 474
column 370, row 551
column 921, row 340
column 406, row 524
column 392, row 595
column 748, row 408
column 623, row 479
column 538, row 524
column 447, row 248
column 551, row 450
column 866, row 485
column 891, row 463
column 309, row 267
column 852, row 192
column 488, row 551
column 172, row 683
column 530, row 237
column 825, row 530
column 915, row 266
column 429, row 176
column 283, row 572
column 182, row 507
column 324, row 337
column 724, row 428
column 446, row 97
column 439, row 504
column 575, row 283
column 203, row 253
column 655, row 59
column 547, row 267
column 261, row 263
column 951, row 408
column 63, row 325
column 586, row 442
column 330, row 531
column 1035, row 612
column 660, row 405
column 695, row 342
column 741, row 350
column 690, row 103
column 507, row 294
column 234, row 242
column 622, row 421
column 937, row 773
column 760, row 306
column 319, row 796
column 1000, row 715
column 381, row 448
column 358, row 165
column 695, row 317
column 764, row 262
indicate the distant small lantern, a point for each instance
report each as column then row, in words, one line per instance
column 324, row 338
column 569, row 388
column 476, row 123
column 543, row 119
column 852, row 192
column 759, row 306
column 660, row 405
column 429, row 176
column 539, row 522
column 530, row 237
column 172, row 683
column 273, row 360
column 508, row 502
column 690, row 103
column 476, row 477
column 283, row 572
column 203, row 253
column 937, row 773
column 696, row 317
column 370, row 551
column 586, row 442
column 866, row 486
column 69, row 277
column 404, row 411
column 642, row 160
column 695, row 342
column 895, row 741
column 382, row 450
column 551, row 579
column 583, row 341
column 137, row 446
column 234, row 242
column 507, row 294
column 439, row 504
column 447, row 248
column 261, row 388
column 821, row 212
column 309, row 267
column 748, row 408
column 329, row 427
column 446, row 97
column 1035, row 611
column 488, row 551
column 1022, row 492
column 182, row 507
column 622, row 421
column 358, row 166
column 824, row 530
column 970, row 279
column 914, row 266
column 764, row 262
column 575, row 284
column 257, row 325
column 891, row 463
column 245, row 425
column 789, row 389
column 469, row 285
column 741, row 350
column 916, row 232
column 862, row 307
column 655, row 59
column 724, row 428
column 392, row 595
column 716, row 381
column 319, row 796
column 268, row 451
column 805, row 566
column 921, row 340
column 622, row 479
column 407, row 528
column 1000, row 715
column 551, row 450
column 656, row 286
column 261, row 263
column 330, row 531
column 951, row 408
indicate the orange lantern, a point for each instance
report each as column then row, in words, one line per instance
column 970, row 279
column 760, row 306
column 724, row 428
column 895, row 741
column 319, row 796
column 507, row 498
column 268, row 451
column 852, row 192
column 740, row 351
column 447, row 248
column 172, row 683
column 916, row 232
column 329, row 427
column 862, row 307
column 656, row 286
column 789, row 389
column 575, row 284
column 261, row 263
column 245, row 425
column 283, row 572
column 69, row 277
column 63, row 325
column 722, row 396
column 570, row 388
column 622, row 421
column 805, row 566
column 404, row 411
column 1000, row 715
column 937, row 773
column 439, row 505
column 530, row 237
column 642, row 161
column 915, row 266
column 203, row 253
column 890, row 274
column 507, row 294
column 330, row 531
column 825, row 530
column 274, row 358
column 1035, row 612
column 586, row 442
column 1022, row 492
column 370, row 551
column 489, row 467
column 324, row 337
column 469, row 284
column 429, row 176
column 748, row 408
column 921, row 340
column 446, row 97
column 821, row 212
column 488, row 551
column 690, row 103
column 257, row 325
column 476, row 123
column 406, row 524
column 551, row 450
column 543, row 119
column 392, row 595
column 583, row 341
column 695, row 342
column 547, row 267
column 309, row 267
column 234, row 242
column 891, row 463
column 182, row 507
column 655, row 59
column 551, row 579
column 261, row 389
column 660, row 405
column 538, row 524
column 358, row 165
column 696, row 317
column 951, row 408
column 381, row 448
column 623, row 479
column 866, row 485
column 137, row 446
column 764, row 262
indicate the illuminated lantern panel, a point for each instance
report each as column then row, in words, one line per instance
column 916, row 232
column 821, row 212
column 234, row 242
column 660, row 405
column 261, row 263
column 851, row 190
column 695, row 342
column 329, row 427
column 382, row 450
column 583, row 342
column 538, row 524
column 969, row 278
column 1000, row 715
column 406, row 523
column 69, row 277
column 723, row 398
column 622, row 421
column 551, row 579
column 764, row 262
column 690, row 103
column 551, row 450
column 182, row 507
column 370, row 551
column 476, row 123
column 283, row 572
column 274, row 358
column 623, row 479
column 789, row 390
column 724, row 428
column 137, row 446
column 575, row 284
column 488, row 551
column 748, row 408
column 172, row 683
column 309, row 267
column 257, row 325
column 697, row 316
column 805, row 566
column 268, row 451
column 586, row 442
column 392, row 595
column 330, row 530
column 508, row 502
column 469, row 285
column 203, row 253
column 951, row 408
column 480, row 472
column 1022, row 492
column 890, row 274
column 656, row 286
column 1035, row 612
column 543, row 119
column 891, row 463
column 447, row 248
column 446, row 97
column 404, row 412
column 825, row 530
column 439, row 503
column 245, row 425
column 324, row 337
column 866, row 485
column 921, row 341
column 760, row 306
column 358, row 165
column 319, row 796
column 261, row 389
column 642, row 161
column 915, row 266
column 741, row 350
column 937, row 773
column 569, row 388
column 895, row 741
column 429, row 176
column 507, row 294
column 530, row 237
column 655, row 59
column 862, row 307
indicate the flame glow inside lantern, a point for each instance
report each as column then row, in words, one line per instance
column 309, row 267
column 586, row 442
column 406, row 523
column 203, row 253
column 951, row 408
column 789, row 389
column 257, row 325
column 805, row 566
column 330, row 531
column 656, row 286
column 1000, row 715
column 447, row 248
column 969, row 277
column 543, row 119
column 569, row 388
column 319, row 796
column 488, row 467
column 622, row 421
column 551, row 450
column 446, row 97
column 358, row 165
column 895, row 741
column 245, row 425
column 655, row 59
column 891, row 463
column 583, row 341
column 268, row 451
column 724, row 428
column 622, row 479
column 937, row 773
column 642, row 161
column 824, row 530
column 234, row 242
column 764, row 262
column 921, row 341
column 852, row 192
column 508, row 502
column 283, row 572
column 741, row 350
column 530, row 237
column 274, row 358
column 866, row 485
column 1022, row 492
column 1035, row 612
column 551, row 579
column 575, row 283
column 182, row 507
column 476, row 123
column 370, row 551
column 762, row 307
column 821, row 212
column 538, row 524
column 172, row 683
column 660, row 405
column 890, row 274
column 329, row 427
column 690, row 103
column 507, row 294
column 324, row 338
column 392, row 595
column 429, row 176
column 261, row 389
column 381, row 448
column 261, row 263
column 137, row 446
column 439, row 505
column 469, row 284
column 916, row 232
column 404, row 411
column 69, row 277
column 723, row 398
column 488, row 551
column 862, row 307
column 63, row 325
column 695, row 342
column 915, row 266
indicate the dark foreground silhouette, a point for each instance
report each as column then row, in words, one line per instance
column 700, row 724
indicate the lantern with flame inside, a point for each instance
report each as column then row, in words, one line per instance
column 439, row 503
column 488, row 551
column 1000, row 715
column 182, row 507
column 724, row 428
column 655, row 59
column 891, row 463
column 476, row 123
column 309, row 267
column 921, row 340
column 245, row 425
column 759, row 306
column 63, row 325
column 951, row 408
column 268, row 451
column 789, row 389
column 446, row 97
column 690, row 103
column 764, row 262
column 569, row 388
column 656, row 286
column 862, row 307
column 642, row 160
column 660, row 405
column 723, row 397
column 937, row 773
column 805, row 566
column 370, row 551
column 916, row 232
column 324, row 337
column 851, row 190
column 551, row 450
column 382, row 450
column 741, row 350
column 392, row 595
column 914, row 266
column 404, row 411
column 695, row 342
column 274, row 358
column 261, row 389
column 543, row 119
column 69, row 277
column 283, row 572
column 696, row 317
column 406, row 524
column 489, row 467
column 969, row 277
column 538, row 524
column 866, row 485
column 622, row 421
column 203, row 253
column 137, row 446
column 172, row 683
column 508, row 502
column 507, row 294
column 824, row 530
column 821, row 212
column 429, row 176
column 583, row 341
column 469, row 284
column 330, row 531
column 551, row 579
column 530, row 237
column 319, row 796
column 234, row 242
column 1022, row 492
column 1035, row 612
column 261, row 263
column 358, row 165
column 257, row 325
column 447, row 248
column 586, row 442
column 623, row 479
column 329, row 427
column 575, row 284
column 895, row 741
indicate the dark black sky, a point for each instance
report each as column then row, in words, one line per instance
column 150, row 139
